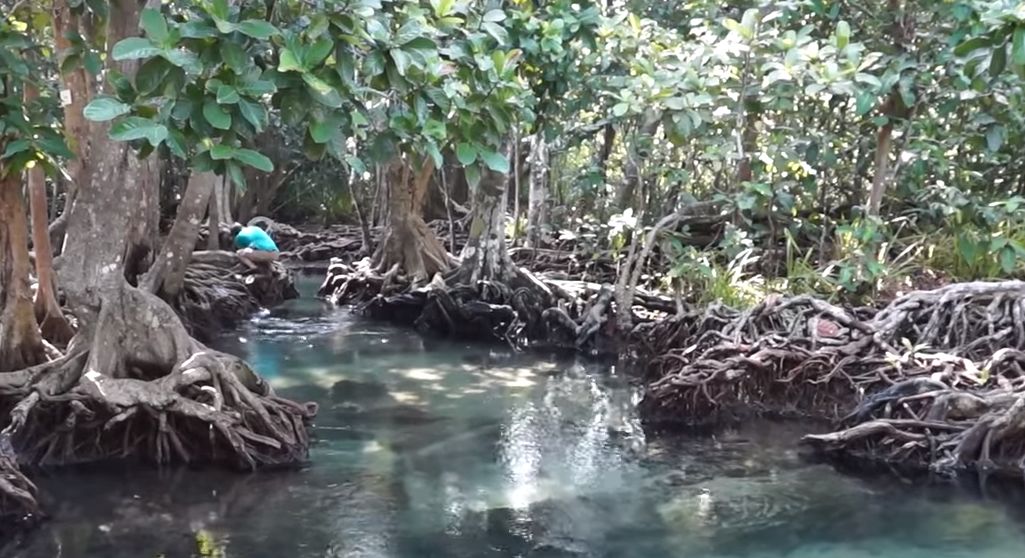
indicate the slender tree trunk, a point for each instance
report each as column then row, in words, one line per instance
column 167, row 276
column 213, row 237
column 537, row 205
column 21, row 344
column 640, row 148
column 364, row 227
column 893, row 108
column 408, row 242
column 516, row 189
column 54, row 326
column 75, row 95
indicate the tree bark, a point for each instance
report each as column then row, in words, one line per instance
column 639, row 150
column 537, row 204
column 213, row 236
column 21, row 344
column 167, row 276
column 408, row 242
column 892, row 108
column 485, row 256
column 76, row 84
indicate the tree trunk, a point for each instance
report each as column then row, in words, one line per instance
column 213, row 236
column 75, row 96
column 537, row 205
column 364, row 227
column 485, row 255
column 639, row 150
column 408, row 242
column 892, row 108
column 54, row 326
column 881, row 168
column 748, row 139
column 167, row 276
column 21, row 344
column 48, row 312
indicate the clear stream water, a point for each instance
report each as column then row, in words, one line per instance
column 428, row 448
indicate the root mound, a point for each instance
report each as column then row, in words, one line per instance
column 933, row 380
column 135, row 385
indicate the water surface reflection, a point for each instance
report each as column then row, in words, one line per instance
column 429, row 448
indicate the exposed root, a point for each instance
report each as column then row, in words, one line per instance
column 934, row 380
column 140, row 387
column 523, row 311
column 219, row 291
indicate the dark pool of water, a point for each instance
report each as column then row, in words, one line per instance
column 432, row 448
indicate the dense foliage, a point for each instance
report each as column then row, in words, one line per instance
column 842, row 147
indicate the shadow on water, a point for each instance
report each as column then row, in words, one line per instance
column 432, row 448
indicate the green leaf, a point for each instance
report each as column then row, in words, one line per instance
column 971, row 45
column 151, row 75
column 257, row 29
column 15, row 147
column 236, row 174
column 323, row 92
column 401, row 60
column 495, row 16
column 289, row 62
column 184, row 59
column 620, row 109
column 995, row 138
column 104, row 108
column 197, row 30
column 466, row 153
column 254, row 159
column 219, row 9
column 155, row 25
column 254, row 113
column 866, row 101
column 1008, row 259
column 472, row 173
column 221, row 152
column 1018, row 46
column 843, row 34
column 442, row 7
column 235, row 57
column 176, row 143
column 257, row 88
column 496, row 31
column 136, row 128
column 216, row 115
column 322, row 131
column 998, row 61
column 317, row 52
column 495, row 161
column 133, row 48
column 227, row 95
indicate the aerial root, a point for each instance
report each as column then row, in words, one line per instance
column 934, row 380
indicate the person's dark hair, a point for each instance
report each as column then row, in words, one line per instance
column 235, row 229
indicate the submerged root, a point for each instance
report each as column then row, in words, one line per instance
column 935, row 379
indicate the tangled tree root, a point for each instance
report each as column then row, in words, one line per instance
column 219, row 291
column 935, row 379
column 137, row 386
column 527, row 311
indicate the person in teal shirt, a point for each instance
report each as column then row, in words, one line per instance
column 254, row 246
